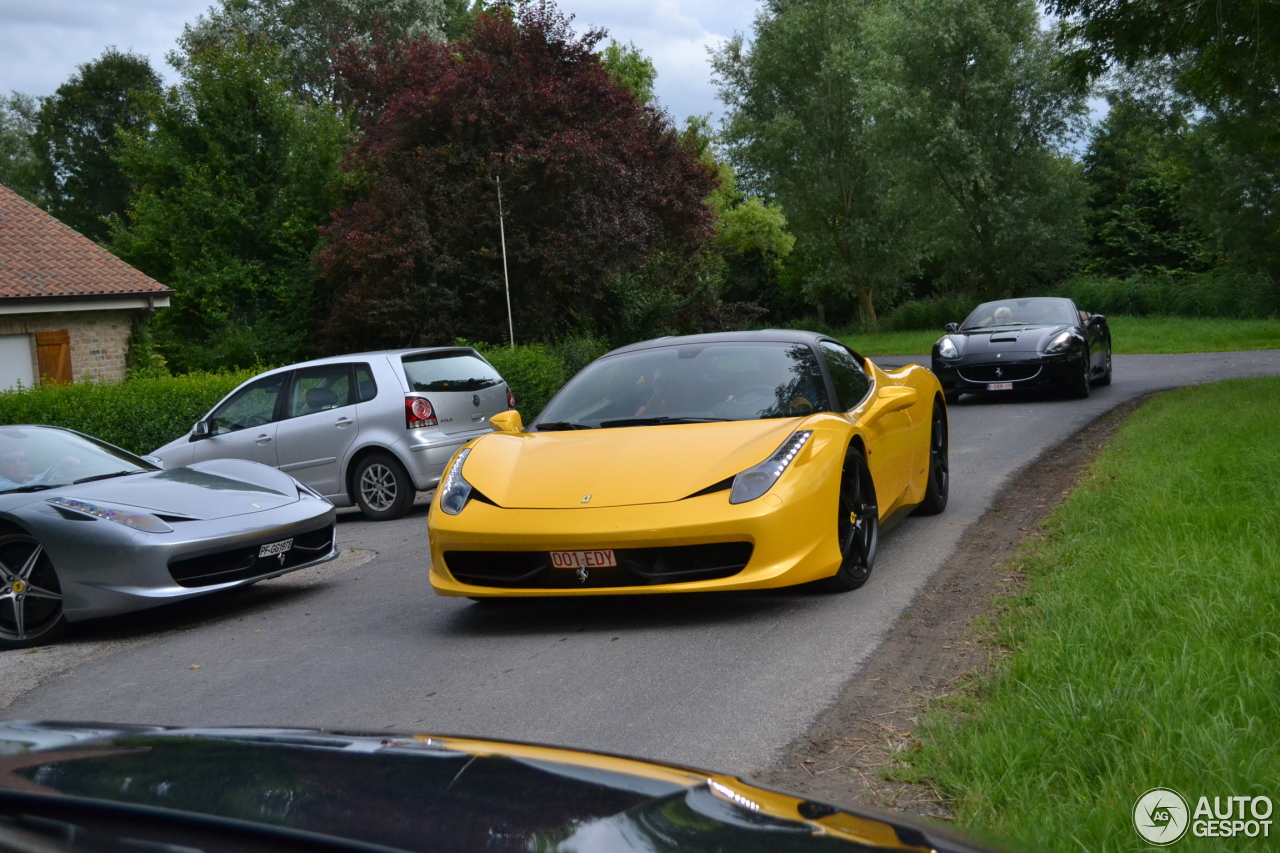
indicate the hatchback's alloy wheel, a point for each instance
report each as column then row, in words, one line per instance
column 382, row 487
column 30, row 595
column 857, row 524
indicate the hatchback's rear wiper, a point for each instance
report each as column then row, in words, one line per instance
column 105, row 476
column 625, row 422
column 559, row 425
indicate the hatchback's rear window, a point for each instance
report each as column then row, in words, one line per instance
column 455, row 372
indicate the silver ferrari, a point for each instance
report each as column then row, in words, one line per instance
column 89, row 530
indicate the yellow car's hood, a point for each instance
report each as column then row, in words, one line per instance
column 620, row 466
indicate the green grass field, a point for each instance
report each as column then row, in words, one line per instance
column 1131, row 335
column 1145, row 651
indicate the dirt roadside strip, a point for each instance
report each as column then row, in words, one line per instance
column 24, row 670
column 934, row 646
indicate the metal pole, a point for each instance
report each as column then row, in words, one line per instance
column 506, row 280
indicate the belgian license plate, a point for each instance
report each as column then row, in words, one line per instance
column 583, row 559
column 275, row 548
column 999, row 386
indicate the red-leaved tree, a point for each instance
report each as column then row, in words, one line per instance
column 593, row 183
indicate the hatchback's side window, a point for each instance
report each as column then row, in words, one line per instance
column 251, row 406
column 318, row 389
column 851, row 381
column 366, row 387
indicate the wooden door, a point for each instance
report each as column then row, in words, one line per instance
column 53, row 355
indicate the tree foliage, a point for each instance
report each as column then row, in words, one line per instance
column 77, row 137
column 973, row 100
column 631, row 69
column 307, row 32
column 593, row 184
column 18, row 166
column 801, row 132
column 231, row 182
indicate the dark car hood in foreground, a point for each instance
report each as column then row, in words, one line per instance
column 419, row 793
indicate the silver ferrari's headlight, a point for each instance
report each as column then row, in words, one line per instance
column 1060, row 343
column 129, row 518
column 758, row 479
column 455, row 491
column 947, row 348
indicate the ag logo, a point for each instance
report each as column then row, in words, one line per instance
column 1160, row 816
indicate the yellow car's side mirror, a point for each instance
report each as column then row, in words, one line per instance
column 508, row 421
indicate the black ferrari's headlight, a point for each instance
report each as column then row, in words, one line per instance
column 455, row 491
column 1060, row 343
column 947, row 348
column 758, row 479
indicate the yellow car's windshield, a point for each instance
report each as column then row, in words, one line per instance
column 691, row 383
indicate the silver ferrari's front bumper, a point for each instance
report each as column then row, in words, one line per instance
column 105, row 568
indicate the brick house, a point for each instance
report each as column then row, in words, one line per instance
column 67, row 306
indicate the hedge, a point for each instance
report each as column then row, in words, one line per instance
column 136, row 414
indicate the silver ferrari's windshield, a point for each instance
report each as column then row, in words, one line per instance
column 1037, row 311
column 38, row 458
column 692, row 383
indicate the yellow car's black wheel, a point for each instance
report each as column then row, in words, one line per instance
column 939, row 483
column 857, row 524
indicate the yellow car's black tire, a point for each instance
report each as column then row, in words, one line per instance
column 857, row 524
column 939, row 483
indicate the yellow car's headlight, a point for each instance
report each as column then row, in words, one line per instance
column 758, row 479
column 455, row 491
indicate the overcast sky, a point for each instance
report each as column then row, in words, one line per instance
column 42, row 41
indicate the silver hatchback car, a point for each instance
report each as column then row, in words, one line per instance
column 371, row 429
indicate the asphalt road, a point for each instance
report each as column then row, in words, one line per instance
column 723, row 681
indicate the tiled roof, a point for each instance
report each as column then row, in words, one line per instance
column 39, row 256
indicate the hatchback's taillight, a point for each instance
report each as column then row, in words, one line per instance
column 418, row 413
column 511, row 398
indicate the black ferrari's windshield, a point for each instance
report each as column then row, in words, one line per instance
column 1037, row 311
column 691, row 383
column 39, row 458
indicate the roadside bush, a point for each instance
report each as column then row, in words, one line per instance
column 930, row 314
column 1220, row 293
column 137, row 414
column 533, row 372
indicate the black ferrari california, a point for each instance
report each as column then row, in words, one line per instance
column 1017, row 344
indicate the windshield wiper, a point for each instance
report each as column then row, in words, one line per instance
column 560, row 425
column 39, row 488
column 626, row 422
column 104, row 476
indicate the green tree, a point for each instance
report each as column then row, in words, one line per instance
column 1137, row 168
column 971, row 94
column 77, row 137
column 631, row 69
column 231, row 182
column 306, row 32
column 18, row 166
column 801, row 132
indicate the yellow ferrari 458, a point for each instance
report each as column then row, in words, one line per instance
column 739, row 460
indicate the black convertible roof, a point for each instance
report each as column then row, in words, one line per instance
column 761, row 336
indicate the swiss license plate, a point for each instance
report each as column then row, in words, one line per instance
column 275, row 548
column 999, row 386
column 583, row 559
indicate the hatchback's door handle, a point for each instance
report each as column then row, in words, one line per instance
column 263, row 439
column 343, row 422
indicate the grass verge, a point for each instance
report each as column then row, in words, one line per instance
column 1144, row 651
column 1131, row 336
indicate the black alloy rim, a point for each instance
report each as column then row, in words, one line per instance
column 30, row 596
column 939, row 471
column 859, row 522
